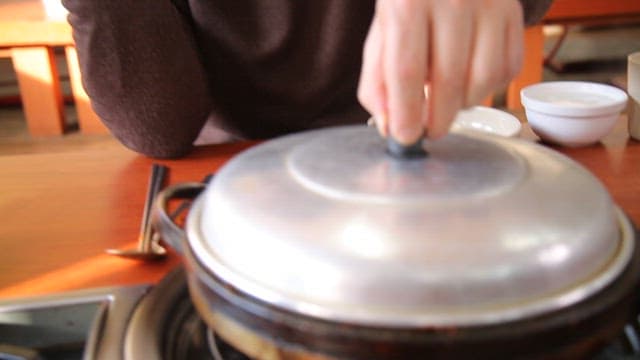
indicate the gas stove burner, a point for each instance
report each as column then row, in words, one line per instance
column 186, row 336
column 166, row 326
column 221, row 350
column 143, row 322
column 213, row 346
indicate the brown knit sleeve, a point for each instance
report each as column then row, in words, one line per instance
column 142, row 72
column 534, row 10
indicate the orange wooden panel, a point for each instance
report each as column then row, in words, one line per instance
column 531, row 71
column 88, row 120
column 22, row 10
column 34, row 33
column 571, row 9
column 40, row 89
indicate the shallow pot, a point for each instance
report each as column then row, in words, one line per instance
column 322, row 244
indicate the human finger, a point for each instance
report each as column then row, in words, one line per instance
column 404, row 62
column 449, row 65
column 497, row 55
column 371, row 92
column 515, row 40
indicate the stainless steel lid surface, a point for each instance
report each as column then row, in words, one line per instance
column 485, row 229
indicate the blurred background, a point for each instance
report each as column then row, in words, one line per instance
column 584, row 40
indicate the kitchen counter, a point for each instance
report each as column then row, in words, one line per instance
column 61, row 211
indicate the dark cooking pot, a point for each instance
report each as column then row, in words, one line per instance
column 321, row 244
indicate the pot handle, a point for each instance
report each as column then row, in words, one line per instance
column 162, row 221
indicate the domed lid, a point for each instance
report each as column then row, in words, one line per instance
column 484, row 229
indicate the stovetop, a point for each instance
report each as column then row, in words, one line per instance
column 144, row 322
column 66, row 326
column 134, row 322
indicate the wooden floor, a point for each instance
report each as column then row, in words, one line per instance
column 595, row 54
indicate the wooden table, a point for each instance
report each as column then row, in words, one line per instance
column 60, row 211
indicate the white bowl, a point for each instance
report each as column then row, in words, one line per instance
column 487, row 120
column 572, row 113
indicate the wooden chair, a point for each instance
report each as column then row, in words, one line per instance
column 30, row 39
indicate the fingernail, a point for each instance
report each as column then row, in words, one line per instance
column 407, row 135
column 381, row 123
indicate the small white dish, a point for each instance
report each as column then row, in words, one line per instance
column 572, row 113
column 487, row 120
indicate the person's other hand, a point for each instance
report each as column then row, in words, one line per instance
column 424, row 60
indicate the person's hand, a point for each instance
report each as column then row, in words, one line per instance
column 424, row 60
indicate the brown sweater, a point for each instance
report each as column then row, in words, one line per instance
column 157, row 70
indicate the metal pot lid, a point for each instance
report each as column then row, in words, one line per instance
column 483, row 230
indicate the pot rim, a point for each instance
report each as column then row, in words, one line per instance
column 574, row 332
column 393, row 318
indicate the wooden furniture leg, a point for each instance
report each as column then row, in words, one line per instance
column 531, row 72
column 40, row 89
column 88, row 121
